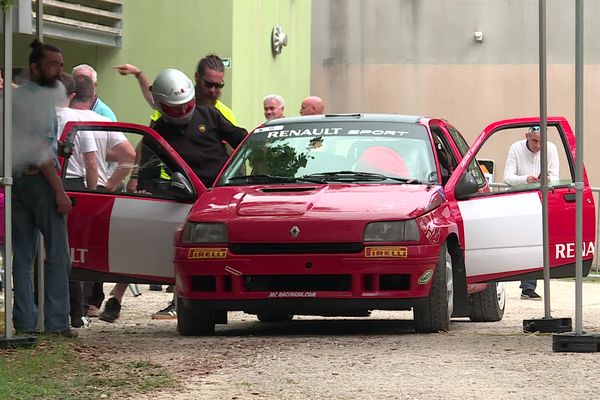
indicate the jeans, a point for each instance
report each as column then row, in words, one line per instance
column 34, row 211
column 76, row 303
column 93, row 293
column 528, row 284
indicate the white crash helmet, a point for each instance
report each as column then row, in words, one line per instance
column 173, row 94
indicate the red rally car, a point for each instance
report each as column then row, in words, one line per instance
column 334, row 215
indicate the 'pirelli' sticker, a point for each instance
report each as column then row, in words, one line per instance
column 207, row 252
column 386, row 251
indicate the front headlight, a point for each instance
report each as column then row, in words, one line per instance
column 204, row 232
column 392, row 231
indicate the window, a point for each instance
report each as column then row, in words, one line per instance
column 463, row 147
column 517, row 167
column 296, row 150
column 116, row 162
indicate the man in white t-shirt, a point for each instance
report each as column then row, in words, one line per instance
column 82, row 168
column 111, row 146
column 523, row 167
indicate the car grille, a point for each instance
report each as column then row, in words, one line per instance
column 261, row 283
column 295, row 248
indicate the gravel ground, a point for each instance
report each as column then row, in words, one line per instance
column 352, row 358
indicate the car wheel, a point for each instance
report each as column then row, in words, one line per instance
column 193, row 319
column 434, row 314
column 488, row 305
column 274, row 317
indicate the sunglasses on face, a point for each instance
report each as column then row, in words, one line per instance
column 214, row 85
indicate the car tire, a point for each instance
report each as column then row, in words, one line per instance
column 193, row 319
column 488, row 305
column 434, row 314
column 274, row 317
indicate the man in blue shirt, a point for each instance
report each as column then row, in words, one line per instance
column 39, row 201
column 98, row 105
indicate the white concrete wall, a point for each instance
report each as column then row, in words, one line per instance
column 420, row 57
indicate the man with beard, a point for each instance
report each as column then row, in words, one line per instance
column 39, row 201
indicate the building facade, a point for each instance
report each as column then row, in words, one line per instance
column 468, row 61
column 159, row 34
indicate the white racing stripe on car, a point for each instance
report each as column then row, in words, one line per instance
column 502, row 233
column 141, row 235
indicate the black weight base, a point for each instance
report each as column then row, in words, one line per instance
column 547, row 325
column 571, row 342
column 17, row 341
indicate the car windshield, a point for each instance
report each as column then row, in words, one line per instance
column 330, row 151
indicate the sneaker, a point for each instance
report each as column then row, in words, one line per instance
column 530, row 294
column 83, row 322
column 170, row 312
column 86, row 321
column 112, row 310
column 155, row 288
column 69, row 333
column 93, row 312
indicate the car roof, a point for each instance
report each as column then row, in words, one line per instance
column 347, row 118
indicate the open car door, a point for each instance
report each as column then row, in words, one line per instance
column 121, row 228
column 502, row 224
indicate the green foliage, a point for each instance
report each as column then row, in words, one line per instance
column 59, row 369
column 277, row 159
column 4, row 4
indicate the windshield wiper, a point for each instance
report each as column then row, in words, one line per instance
column 357, row 176
column 272, row 179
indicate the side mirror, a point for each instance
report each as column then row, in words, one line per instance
column 181, row 188
column 466, row 186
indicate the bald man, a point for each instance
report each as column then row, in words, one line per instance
column 312, row 105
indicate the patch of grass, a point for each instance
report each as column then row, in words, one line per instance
column 60, row 369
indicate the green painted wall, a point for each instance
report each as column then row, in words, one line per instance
column 159, row 34
column 256, row 72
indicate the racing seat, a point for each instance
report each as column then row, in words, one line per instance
column 383, row 160
column 445, row 162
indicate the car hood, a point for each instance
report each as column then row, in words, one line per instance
column 324, row 213
column 324, row 201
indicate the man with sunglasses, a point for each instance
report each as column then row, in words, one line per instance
column 209, row 77
column 523, row 167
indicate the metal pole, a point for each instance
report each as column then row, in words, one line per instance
column 39, row 33
column 544, row 155
column 39, row 20
column 7, row 178
column 578, row 164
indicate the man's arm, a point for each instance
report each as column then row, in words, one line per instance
column 128, row 69
column 124, row 155
column 86, row 144
column 63, row 202
column 510, row 169
column 553, row 163
column 228, row 132
column 133, row 179
column 91, row 169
